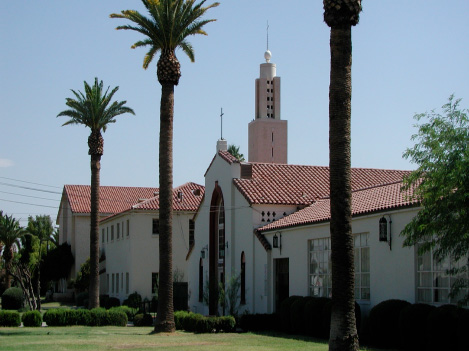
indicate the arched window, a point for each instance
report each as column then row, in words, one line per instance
column 201, row 280
column 243, row 278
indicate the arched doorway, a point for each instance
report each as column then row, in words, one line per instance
column 216, row 247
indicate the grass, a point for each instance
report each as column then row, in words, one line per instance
column 136, row 339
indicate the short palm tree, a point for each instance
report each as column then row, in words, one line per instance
column 234, row 151
column 166, row 28
column 94, row 110
column 10, row 234
column 40, row 227
column 340, row 16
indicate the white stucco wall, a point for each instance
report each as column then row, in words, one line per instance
column 138, row 253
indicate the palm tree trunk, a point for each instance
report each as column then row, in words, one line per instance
column 38, row 287
column 94, row 232
column 165, row 316
column 8, row 257
column 343, row 334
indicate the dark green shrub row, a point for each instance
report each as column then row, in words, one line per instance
column 143, row 320
column 130, row 312
column 94, row 317
column 134, row 300
column 10, row 319
column 12, row 299
column 399, row 324
column 260, row 322
column 194, row 322
column 32, row 319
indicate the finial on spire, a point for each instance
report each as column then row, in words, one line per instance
column 267, row 54
column 221, row 123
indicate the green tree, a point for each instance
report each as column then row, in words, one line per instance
column 166, row 28
column 10, row 234
column 94, row 110
column 234, row 151
column 441, row 184
column 41, row 227
column 340, row 16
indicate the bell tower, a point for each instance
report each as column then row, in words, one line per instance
column 267, row 132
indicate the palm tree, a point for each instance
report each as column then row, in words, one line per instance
column 42, row 228
column 10, row 234
column 94, row 110
column 340, row 16
column 169, row 24
column 234, row 151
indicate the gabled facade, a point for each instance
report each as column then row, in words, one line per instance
column 73, row 217
column 240, row 199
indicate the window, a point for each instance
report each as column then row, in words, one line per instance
column 118, row 230
column 156, row 227
column 362, row 267
column 128, row 227
column 320, row 267
column 112, row 233
column 201, row 280
column 107, row 234
column 122, row 281
column 113, row 283
column 191, row 232
column 433, row 281
column 107, row 283
column 127, row 285
column 102, row 236
column 117, row 283
column 154, row 282
column 243, row 278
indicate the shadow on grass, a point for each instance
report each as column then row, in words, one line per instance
column 274, row 334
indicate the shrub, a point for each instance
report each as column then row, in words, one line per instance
column 442, row 328
column 98, row 317
column 117, row 318
column 104, row 300
column 463, row 327
column 32, row 319
column 12, row 299
column 413, row 325
column 54, row 317
column 285, row 308
column 297, row 316
column 313, row 316
column 10, row 319
column 112, row 302
column 384, row 323
column 259, row 322
column 143, row 320
column 130, row 312
column 81, row 316
column 179, row 317
column 81, row 298
column 134, row 300
column 205, row 324
column 225, row 324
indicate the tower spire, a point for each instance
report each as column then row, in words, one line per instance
column 267, row 35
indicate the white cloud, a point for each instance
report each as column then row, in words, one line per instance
column 4, row 163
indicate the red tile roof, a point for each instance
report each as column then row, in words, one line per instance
column 113, row 199
column 368, row 200
column 186, row 197
column 302, row 185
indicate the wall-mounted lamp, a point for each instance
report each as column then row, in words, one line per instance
column 277, row 241
column 383, row 230
column 202, row 253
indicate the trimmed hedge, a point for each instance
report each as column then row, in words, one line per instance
column 59, row 317
column 442, row 328
column 32, row 319
column 143, row 320
column 413, row 326
column 194, row 322
column 130, row 312
column 12, row 299
column 313, row 317
column 134, row 300
column 384, row 323
column 285, row 315
column 327, row 314
column 10, row 319
column 260, row 322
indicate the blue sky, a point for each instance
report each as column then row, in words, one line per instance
column 408, row 57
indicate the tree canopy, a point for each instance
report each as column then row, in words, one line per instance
column 234, row 151
column 441, row 183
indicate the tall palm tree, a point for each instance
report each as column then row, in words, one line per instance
column 94, row 110
column 340, row 16
column 166, row 28
column 10, row 234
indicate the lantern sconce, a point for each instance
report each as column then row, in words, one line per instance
column 202, row 253
column 277, row 241
column 383, row 230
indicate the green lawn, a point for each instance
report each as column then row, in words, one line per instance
column 135, row 339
